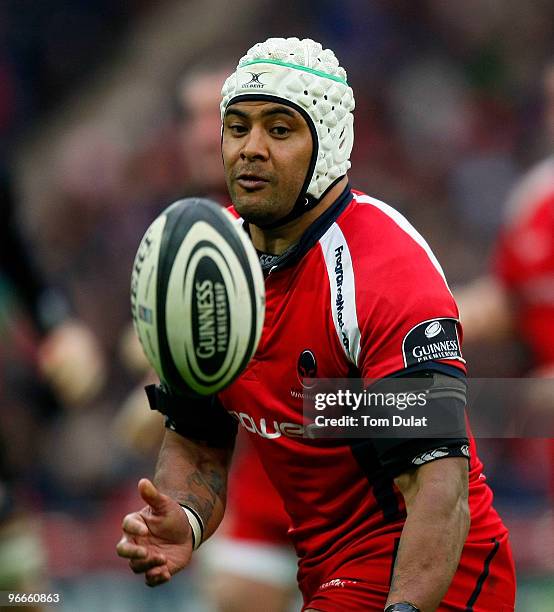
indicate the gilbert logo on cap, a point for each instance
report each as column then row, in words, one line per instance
column 254, row 82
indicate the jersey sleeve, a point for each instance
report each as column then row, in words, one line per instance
column 408, row 326
column 407, row 316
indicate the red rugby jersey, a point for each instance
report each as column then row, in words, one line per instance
column 524, row 260
column 524, row 264
column 352, row 293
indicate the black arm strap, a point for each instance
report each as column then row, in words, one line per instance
column 203, row 419
column 446, row 400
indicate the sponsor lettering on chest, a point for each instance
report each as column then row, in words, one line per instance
column 339, row 300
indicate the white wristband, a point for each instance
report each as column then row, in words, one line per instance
column 196, row 525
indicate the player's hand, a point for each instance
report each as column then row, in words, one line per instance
column 72, row 361
column 156, row 539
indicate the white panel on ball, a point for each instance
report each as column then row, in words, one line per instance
column 144, row 279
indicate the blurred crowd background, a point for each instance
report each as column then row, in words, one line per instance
column 95, row 139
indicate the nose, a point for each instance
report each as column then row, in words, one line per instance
column 255, row 145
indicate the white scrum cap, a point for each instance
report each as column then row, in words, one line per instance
column 307, row 77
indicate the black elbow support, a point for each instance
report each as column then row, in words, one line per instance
column 203, row 419
column 446, row 401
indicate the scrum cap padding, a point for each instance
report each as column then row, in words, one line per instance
column 302, row 72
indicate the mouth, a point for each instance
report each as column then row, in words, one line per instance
column 251, row 182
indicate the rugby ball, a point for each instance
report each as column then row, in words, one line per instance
column 197, row 296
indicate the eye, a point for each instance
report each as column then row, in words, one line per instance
column 280, row 130
column 237, row 129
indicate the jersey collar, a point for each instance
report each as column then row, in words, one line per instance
column 272, row 263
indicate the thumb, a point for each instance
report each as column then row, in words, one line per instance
column 150, row 494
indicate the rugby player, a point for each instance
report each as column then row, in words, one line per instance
column 351, row 288
column 517, row 297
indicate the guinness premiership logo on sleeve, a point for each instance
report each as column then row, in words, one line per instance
column 430, row 341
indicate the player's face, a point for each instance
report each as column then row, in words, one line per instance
column 201, row 130
column 267, row 149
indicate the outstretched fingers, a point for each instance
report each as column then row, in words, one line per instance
column 157, row 575
column 134, row 525
column 141, row 566
column 128, row 547
column 156, row 539
column 130, row 550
